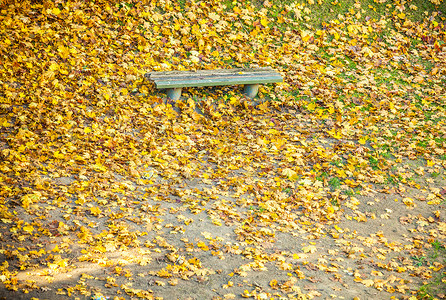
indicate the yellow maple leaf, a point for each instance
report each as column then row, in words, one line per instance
column 279, row 143
column 264, row 22
column 336, row 36
column 58, row 155
column 173, row 281
column 203, row 246
column 335, row 134
column 28, row 228
column 263, row 106
column 338, row 229
column 363, row 140
column 64, row 52
column 99, row 167
column 29, row 199
column 341, row 173
column 409, row 202
column 273, row 284
column 367, row 282
column 306, row 35
column 233, row 101
column 164, row 273
column 309, row 249
column 54, row 67
column 289, row 173
column 95, row 211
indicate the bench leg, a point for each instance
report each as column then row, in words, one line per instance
column 174, row 93
column 251, row 90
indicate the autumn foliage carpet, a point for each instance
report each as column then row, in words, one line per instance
column 330, row 184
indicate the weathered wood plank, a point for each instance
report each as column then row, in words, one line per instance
column 153, row 75
column 199, row 76
column 173, row 81
column 197, row 82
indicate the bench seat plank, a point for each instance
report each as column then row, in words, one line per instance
column 251, row 78
column 176, row 76
column 155, row 75
column 209, row 81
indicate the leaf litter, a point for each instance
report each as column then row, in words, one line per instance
column 331, row 184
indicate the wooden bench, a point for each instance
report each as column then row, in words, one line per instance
column 173, row 81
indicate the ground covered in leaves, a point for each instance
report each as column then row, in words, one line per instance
column 328, row 185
